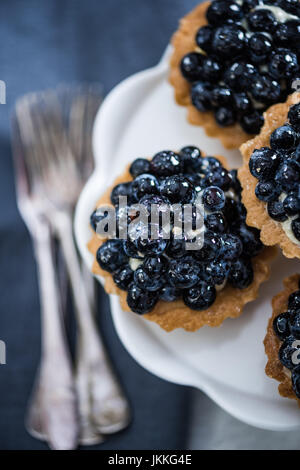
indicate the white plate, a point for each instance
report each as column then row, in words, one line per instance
column 139, row 118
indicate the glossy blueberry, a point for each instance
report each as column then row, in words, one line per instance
column 295, row 225
column 218, row 177
column 176, row 247
column 169, row 293
column 200, row 297
column 211, row 70
column 242, row 102
column 232, row 247
column 140, row 300
column 166, row 163
column 221, row 10
column 123, row 277
column 259, row 48
column 213, row 198
column 183, row 272
column 139, row 166
column 294, row 301
column 249, row 5
column 192, row 158
column 287, row 33
column 156, row 203
column 250, row 238
column 225, row 116
column 221, row 96
column 122, row 189
column 261, row 20
column 204, row 38
column 177, row 188
column 144, row 184
column 252, row 122
column 201, row 96
column 235, row 182
column 96, row 217
column 267, row 191
column 284, row 138
column 281, row 325
column 288, row 175
column 211, row 247
column 110, row 255
column 291, row 6
column 240, row 75
column 228, row 41
column 150, row 245
column 234, row 212
column 294, row 116
column 296, row 380
column 294, row 325
column 155, row 265
column 191, row 66
column 266, row 89
column 283, row 63
column 216, row 222
column 291, row 203
column 144, row 280
column 276, row 211
column 130, row 249
column 263, row 163
column 210, row 164
column 287, row 352
column 217, row 272
column 241, row 273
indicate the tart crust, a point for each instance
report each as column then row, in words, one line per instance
column 272, row 232
column 274, row 368
column 229, row 302
column 183, row 42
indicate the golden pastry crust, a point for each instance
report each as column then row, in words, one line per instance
column 183, row 42
column 274, row 368
column 272, row 232
column 170, row 315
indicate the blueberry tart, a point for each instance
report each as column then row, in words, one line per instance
column 162, row 277
column 234, row 59
column 282, row 341
column 270, row 177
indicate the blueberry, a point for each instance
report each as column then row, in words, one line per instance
column 210, row 164
column 176, row 247
column 252, row 122
column 211, row 70
column 287, row 352
column 291, row 6
column 288, row 33
column 288, row 175
column 216, row 222
column 201, row 96
column 228, row 41
column 283, row 63
column 139, row 300
column 177, row 188
column 249, row 5
column 284, row 138
column 296, row 227
column 192, row 159
column 263, row 163
column 144, row 184
column 235, row 183
column 169, row 294
column 261, row 20
column 225, row 116
column 250, row 238
column 213, row 198
column 260, row 47
column 218, row 177
column 139, row 166
column 296, row 381
column 217, row 272
column 294, row 301
column 130, row 249
column 240, row 75
column 242, row 102
column 123, row 277
column 281, row 325
column 276, row 211
column 96, row 217
column 200, row 297
column 291, row 203
column 294, row 325
column 166, row 163
column 294, row 116
column 191, row 66
column 204, row 38
column 122, row 189
column 266, row 89
column 158, row 202
column 211, row 247
column 150, row 245
column 232, row 247
column 267, row 191
column 221, row 96
column 222, row 10
column 155, row 265
column 110, row 255
column 184, row 272
column 146, row 281
column 241, row 273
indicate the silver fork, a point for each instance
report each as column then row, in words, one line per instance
column 61, row 182
column 54, row 388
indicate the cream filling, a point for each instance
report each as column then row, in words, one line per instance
column 281, row 15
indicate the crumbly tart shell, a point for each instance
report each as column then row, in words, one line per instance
column 229, row 302
column 272, row 232
column 184, row 42
column 274, row 368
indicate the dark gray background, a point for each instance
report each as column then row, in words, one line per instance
column 44, row 43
